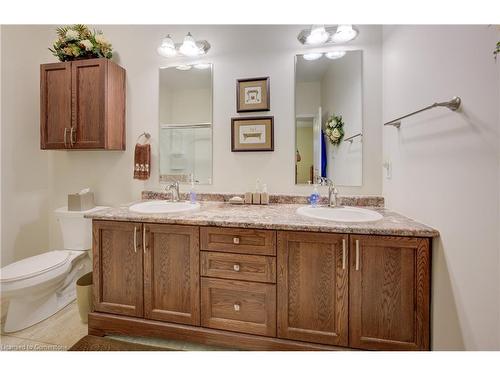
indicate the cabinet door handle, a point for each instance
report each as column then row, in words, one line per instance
column 236, row 240
column 236, row 267
column 357, row 255
column 135, row 239
column 236, row 306
column 65, row 137
column 144, row 238
column 71, row 136
column 343, row 253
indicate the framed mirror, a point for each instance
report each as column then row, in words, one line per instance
column 329, row 117
column 185, row 116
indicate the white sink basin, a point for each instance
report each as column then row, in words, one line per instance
column 342, row 214
column 163, row 207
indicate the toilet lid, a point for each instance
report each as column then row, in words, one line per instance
column 34, row 266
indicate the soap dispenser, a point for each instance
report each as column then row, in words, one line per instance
column 192, row 191
column 314, row 197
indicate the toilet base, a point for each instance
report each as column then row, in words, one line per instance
column 27, row 309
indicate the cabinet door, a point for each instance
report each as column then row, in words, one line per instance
column 172, row 273
column 389, row 293
column 55, row 105
column 118, row 277
column 313, row 287
column 88, row 103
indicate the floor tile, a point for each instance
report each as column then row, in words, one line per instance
column 63, row 328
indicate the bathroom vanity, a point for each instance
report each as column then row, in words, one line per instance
column 262, row 278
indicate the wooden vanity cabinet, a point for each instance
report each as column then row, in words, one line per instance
column 82, row 105
column 117, row 264
column 297, row 290
column 172, row 273
column 389, row 290
column 313, row 287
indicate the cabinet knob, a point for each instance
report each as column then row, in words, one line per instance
column 236, row 240
column 236, row 267
column 236, row 306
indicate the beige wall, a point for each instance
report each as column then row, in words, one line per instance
column 25, row 169
column 445, row 169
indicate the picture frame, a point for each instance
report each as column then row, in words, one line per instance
column 253, row 95
column 252, row 134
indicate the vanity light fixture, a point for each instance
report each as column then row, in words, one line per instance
column 312, row 56
column 189, row 47
column 319, row 34
column 183, row 67
column 167, row 47
column 335, row 55
column 344, row 33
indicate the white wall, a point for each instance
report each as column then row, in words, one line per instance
column 25, row 169
column 445, row 169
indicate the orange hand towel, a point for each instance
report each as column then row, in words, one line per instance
column 142, row 161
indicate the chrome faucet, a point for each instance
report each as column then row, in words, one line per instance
column 173, row 188
column 332, row 191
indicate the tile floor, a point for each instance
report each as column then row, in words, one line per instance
column 62, row 330
column 59, row 332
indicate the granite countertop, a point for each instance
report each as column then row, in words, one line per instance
column 273, row 216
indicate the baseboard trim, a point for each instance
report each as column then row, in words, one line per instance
column 101, row 324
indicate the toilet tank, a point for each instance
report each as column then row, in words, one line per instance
column 76, row 230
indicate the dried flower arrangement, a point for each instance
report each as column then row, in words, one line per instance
column 335, row 129
column 77, row 42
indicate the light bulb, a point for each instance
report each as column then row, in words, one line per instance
column 183, row 67
column 344, row 33
column 335, row 54
column 318, row 35
column 312, row 56
column 167, row 47
column 189, row 47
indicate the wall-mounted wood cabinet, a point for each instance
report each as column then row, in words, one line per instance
column 261, row 289
column 82, row 105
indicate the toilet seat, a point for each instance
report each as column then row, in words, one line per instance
column 34, row 266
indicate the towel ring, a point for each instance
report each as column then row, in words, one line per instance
column 145, row 135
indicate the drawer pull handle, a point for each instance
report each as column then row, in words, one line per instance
column 236, row 240
column 236, row 307
column 236, row 267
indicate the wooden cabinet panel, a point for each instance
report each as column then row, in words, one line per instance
column 171, row 273
column 88, row 83
column 235, row 240
column 82, row 105
column 118, row 281
column 389, row 292
column 55, row 105
column 239, row 306
column 313, row 287
column 238, row 266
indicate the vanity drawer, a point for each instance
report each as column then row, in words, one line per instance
column 239, row 306
column 238, row 266
column 234, row 240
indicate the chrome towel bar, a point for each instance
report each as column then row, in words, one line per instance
column 453, row 105
column 349, row 139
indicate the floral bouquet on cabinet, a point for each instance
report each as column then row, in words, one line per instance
column 77, row 42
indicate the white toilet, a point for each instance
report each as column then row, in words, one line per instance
column 39, row 286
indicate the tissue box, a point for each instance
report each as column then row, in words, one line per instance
column 81, row 202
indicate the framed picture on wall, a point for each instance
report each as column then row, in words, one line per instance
column 253, row 95
column 252, row 133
